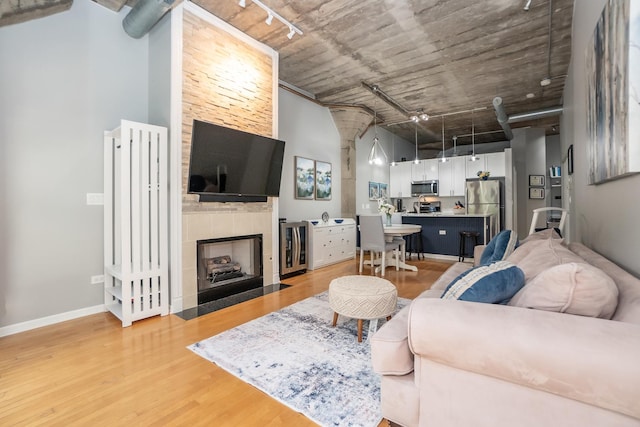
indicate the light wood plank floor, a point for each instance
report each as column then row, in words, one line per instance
column 93, row 372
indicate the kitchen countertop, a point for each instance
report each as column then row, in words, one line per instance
column 447, row 215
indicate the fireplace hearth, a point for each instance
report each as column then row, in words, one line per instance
column 228, row 266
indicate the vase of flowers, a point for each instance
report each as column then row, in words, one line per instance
column 387, row 209
column 483, row 175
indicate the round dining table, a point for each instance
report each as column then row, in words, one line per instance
column 401, row 230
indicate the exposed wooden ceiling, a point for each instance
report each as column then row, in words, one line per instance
column 440, row 56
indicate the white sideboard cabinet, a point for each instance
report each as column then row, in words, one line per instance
column 331, row 242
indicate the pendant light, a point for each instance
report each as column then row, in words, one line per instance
column 455, row 146
column 393, row 150
column 416, row 160
column 443, row 159
column 473, row 157
column 377, row 155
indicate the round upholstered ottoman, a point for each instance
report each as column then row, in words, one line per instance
column 362, row 298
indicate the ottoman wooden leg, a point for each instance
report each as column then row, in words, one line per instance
column 388, row 318
column 335, row 318
column 359, row 330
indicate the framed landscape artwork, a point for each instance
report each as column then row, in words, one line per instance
column 304, row 178
column 374, row 190
column 613, row 93
column 323, row 180
column 383, row 191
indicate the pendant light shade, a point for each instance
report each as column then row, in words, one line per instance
column 377, row 156
column 393, row 150
column 416, row 160
column 443, row 159
column 473, row 157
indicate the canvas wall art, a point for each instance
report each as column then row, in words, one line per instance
column 613, row 93
column 323, row 180
column 304, row 178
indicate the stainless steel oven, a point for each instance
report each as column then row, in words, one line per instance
column 424, row 188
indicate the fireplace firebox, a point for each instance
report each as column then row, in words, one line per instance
column 228, row 266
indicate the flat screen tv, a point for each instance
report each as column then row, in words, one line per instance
column 231, row 165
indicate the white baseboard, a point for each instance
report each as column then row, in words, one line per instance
column 50, row 320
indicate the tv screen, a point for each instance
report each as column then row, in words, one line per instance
column 234, row 163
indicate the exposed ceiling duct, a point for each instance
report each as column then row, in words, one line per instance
column 503, row 120
column 144, row 15
column 538, row 114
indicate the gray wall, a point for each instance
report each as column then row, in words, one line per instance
column 65, row 79
column 309, row 131
column 604, row 217
column 529, row 158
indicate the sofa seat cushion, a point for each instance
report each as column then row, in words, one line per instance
column 536, row 256
column 390, row 353
column 500, row 247
column 573, row 288
column 493, row 283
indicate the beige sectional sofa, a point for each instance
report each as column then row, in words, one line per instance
column 456, row 363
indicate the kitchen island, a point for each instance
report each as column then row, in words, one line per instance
column 441, row 231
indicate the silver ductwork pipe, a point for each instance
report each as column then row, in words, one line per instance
column 144, row 15
column 538, row 114
column 503, row 120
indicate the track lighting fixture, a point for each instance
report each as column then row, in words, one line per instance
column 424, row 116
column 414, row 119
column 271, row 14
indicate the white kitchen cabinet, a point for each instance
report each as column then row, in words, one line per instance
column 495, row 163
column 492, row 162
column 400, row 180
column 330, row 242
column 452, row 177
column 425, row 170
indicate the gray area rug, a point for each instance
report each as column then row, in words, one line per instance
column 296, row 357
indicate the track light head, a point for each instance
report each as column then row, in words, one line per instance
column 242, row 3
column 269, row 19
column 424, row 117
column 291, row 33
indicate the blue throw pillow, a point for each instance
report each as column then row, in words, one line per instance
column 500, row 247
column 494, row 283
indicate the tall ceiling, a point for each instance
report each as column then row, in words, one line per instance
column 439, row 56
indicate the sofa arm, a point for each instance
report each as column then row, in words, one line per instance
column 586, row 359
column 477, row 254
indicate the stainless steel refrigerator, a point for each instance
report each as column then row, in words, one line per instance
column 484, row 197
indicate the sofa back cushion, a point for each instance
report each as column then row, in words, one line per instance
column 538, row 255
column 574, row 288
column 628, row 309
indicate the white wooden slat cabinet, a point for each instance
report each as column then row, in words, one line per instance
column 136, row 229
column 331, row 242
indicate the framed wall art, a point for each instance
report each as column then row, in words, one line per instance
column 384, row 194
column 570, row 160
column 374, row 190
column 613, row 93
column 304, row 178
column 536, row 193
column 536, row 180
column 323, row 180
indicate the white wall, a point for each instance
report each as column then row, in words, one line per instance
column 365, row 172
column 308, row 131
column 604, row 217
column 65, row 79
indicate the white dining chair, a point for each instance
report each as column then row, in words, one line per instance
column 372, row 239
column 549, row 211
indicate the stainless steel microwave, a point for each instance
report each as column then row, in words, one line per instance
column 424, row 188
